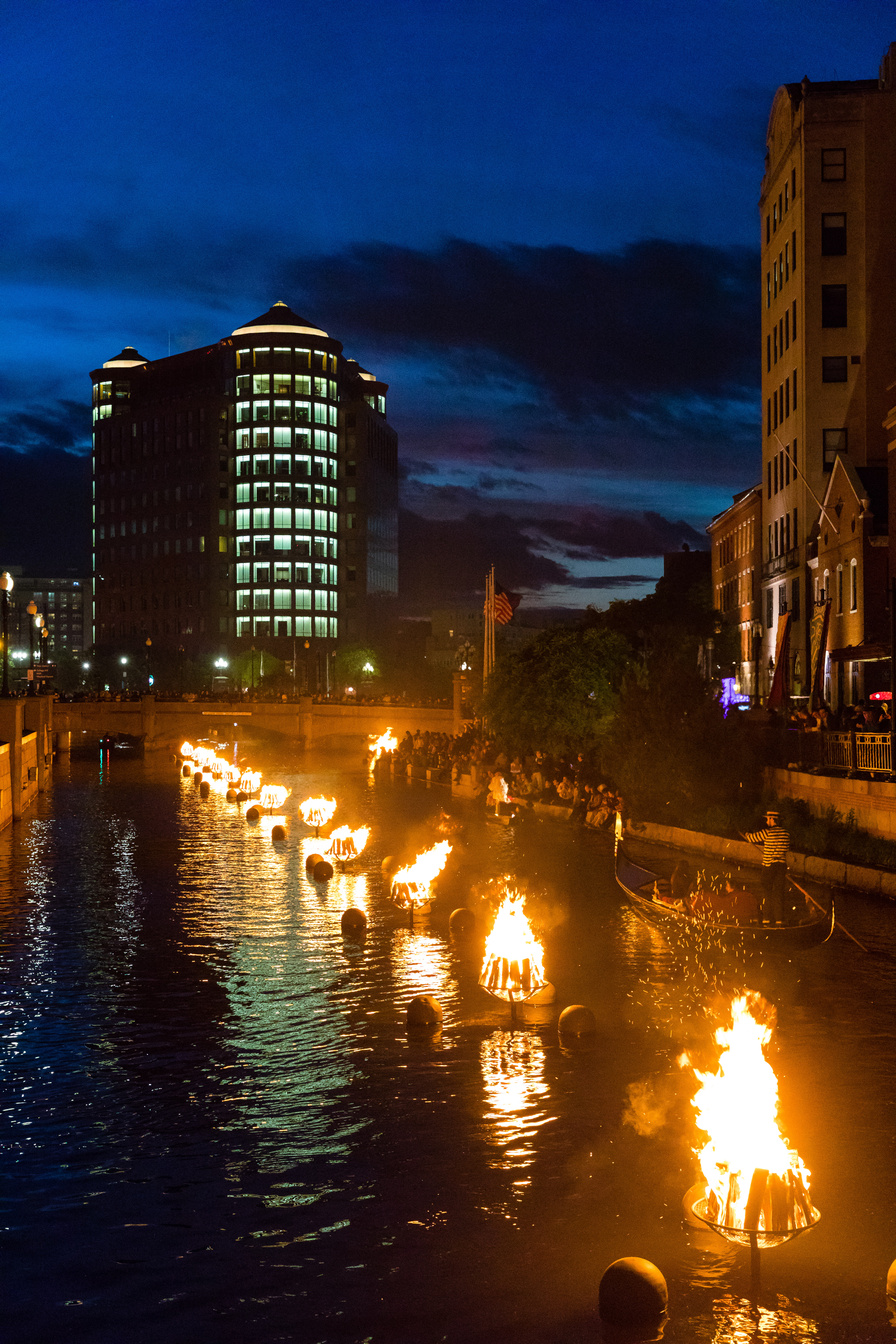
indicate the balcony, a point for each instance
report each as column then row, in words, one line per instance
column 781, row 564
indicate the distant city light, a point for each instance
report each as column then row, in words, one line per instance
column 122, row 661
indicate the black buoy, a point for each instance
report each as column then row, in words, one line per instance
column 278, row 833
column 577, row 1020
column 204, row 789
column 186, row 771
column 461, row 922
column 197, row 778
column 242, row 797
column 313, row 860
column 253, row 814
column 354, row 922
column 632, row 1293
column 389, row 865
column 426, row 1012
column 230, row 796
column 323, row 871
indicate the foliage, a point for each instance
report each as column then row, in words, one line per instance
column 670, row 749
column 559, row 692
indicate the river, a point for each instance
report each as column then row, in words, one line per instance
column 216, row 1126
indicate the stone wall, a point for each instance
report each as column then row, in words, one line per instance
column 871, row 801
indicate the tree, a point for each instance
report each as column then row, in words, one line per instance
column 559, row 692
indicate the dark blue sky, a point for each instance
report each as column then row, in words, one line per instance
column 536, row 221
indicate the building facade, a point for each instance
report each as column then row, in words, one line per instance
column 61, row 604
column 736, row 553
column 245, row 497
column 828, row 217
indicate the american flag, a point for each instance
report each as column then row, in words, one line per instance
column 505, row 604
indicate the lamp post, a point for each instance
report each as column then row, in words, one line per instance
column 32, row 612
column 45, row 647
column 6, row 587
column 148, row 671
column 124, row 672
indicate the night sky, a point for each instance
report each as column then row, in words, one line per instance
column 537, row 222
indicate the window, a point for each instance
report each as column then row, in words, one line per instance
column 282, row 599
column 282, row 518
column 769, row 607
column 303, row 625
column 793, row 319
column 242, row 412
column 794, row 389
column 853, row 585
column 833, row 305
column 262, row 412
column 782, row 599
column 839, row 590
column 303, row 599
column 262, row 599
column 833, row 165
column 833, row 369
column 282, row 410
column 833, row 235
column 261, row 384
column 835, row 441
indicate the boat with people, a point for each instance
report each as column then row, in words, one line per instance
column 718, row 910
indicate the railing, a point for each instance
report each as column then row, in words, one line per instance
column 856, row 751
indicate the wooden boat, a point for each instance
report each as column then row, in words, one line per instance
column 644, row 889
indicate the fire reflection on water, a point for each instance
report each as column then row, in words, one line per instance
column 515, row 1093
column 739, row 1321
column 421, row 965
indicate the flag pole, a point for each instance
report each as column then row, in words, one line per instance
column 488, row 642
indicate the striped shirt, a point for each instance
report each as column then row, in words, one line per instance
column 775, row 842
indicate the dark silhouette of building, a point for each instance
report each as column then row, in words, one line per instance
column 245, row 498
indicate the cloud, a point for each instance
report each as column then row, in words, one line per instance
column 597, row 332
column 610, row 581
column 616, row 535
column 65, row 424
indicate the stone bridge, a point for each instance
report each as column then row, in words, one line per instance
column 166, row 723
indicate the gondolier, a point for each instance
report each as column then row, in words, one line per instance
column 775, row 842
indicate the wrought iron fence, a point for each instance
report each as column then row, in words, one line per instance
column 856, row 751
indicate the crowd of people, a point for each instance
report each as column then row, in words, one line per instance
column 871, row 716
column 524, row 779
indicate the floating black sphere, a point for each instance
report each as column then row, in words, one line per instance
column 204, row 789
column 230, row 795
column 197, row 777
column 577, row 1020
column 462, row 921
column 242, row 797
column 354, row 922
column 389, row 865
column 186, row 771
column 425, row 1011
column 253, row 814
column 278, row 832
column 313, row 860
column 632, row 1292
column 322, row 871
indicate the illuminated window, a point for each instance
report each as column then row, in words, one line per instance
column 835, row 441
column 320, row 627
column 243, row 596
column 282, row 572
column 320, row 520
column 303, row 599
column 282, row 385
column 320, row 412
column 334, row 601
column 303, row 387
column 282, row 410
column 853, row 585
column 302, row 412
column 261, row 465
column 282, row 439
column 282, row 599
column 244, row 385
column 283, row 543
column 303, row 518
column 244, row 359
column 303, row 359
column 320, row 387
column 261, row 518
column 243, row 412
column 303, row 625
column 243, row 492
column 242, row 518
column 262, row 625
column 262, row 599
column 243, row 439
column 334, row 416
column 262, row 492
column 242, row 573
column 262, row 412
column 243, row 626
column 282, row 518
column 334, row 628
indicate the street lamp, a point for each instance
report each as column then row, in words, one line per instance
column 32, row 612
column 124, row 671
column 6, row 587
column 148, row 673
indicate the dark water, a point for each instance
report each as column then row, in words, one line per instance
column 216, row 1127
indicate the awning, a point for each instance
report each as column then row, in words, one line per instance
column 860, row 653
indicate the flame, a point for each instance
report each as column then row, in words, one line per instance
column 250, row 782
column 317, row 811
column 410, row 886
column 513, row 966
column 737, row 1107
column 273, row 795
column 186, row 750
column 347, row 844
column 386, row 742
column 498, row 789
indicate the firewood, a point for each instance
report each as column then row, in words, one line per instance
column 713, row 1207
column 731, row 1201
column 778, row 1193
column 754, row 1200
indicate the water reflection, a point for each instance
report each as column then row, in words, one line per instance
column 516, row 1092
column 739, row 1321
column 421, row 964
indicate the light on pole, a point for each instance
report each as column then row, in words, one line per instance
column 148, row 671
column 124, row 671
column 6, row 587
column 32, row 612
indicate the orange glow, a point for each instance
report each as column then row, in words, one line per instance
column 347, row 844
column 411, row 885
column 513, row 967
column 186, row 750
column 273, row 795
column 737, row 1108
column 386, row 742
column 250, row 781
column 317, row 811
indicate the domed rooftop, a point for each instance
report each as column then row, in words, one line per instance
column 126, row 360
column 279, row 318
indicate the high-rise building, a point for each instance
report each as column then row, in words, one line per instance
column 245, row 496
column 828, row 220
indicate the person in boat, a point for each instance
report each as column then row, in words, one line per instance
column 775, row 843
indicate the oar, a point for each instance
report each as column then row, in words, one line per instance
column 822, row 909
column 817, row 904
